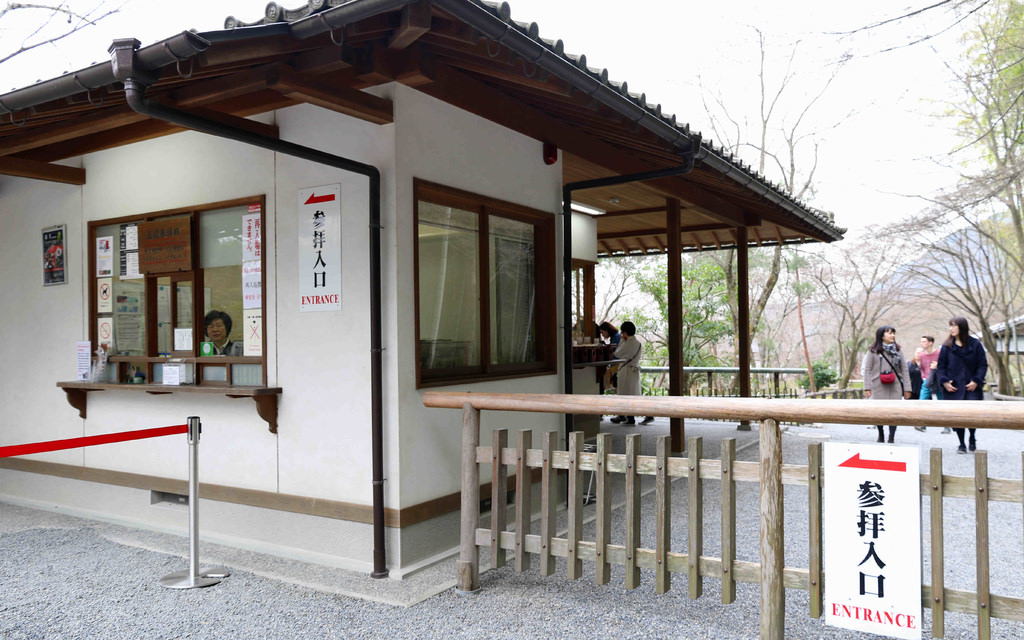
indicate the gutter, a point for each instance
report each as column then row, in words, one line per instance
column 127, row 67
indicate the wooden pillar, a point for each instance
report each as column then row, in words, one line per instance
column 743, row 315
column 675, row 318
column 468, row 565
column 773, row 591
column 589, row 301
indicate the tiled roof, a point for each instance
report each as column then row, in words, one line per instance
column 749, row 177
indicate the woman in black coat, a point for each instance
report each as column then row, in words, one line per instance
column 961, row 370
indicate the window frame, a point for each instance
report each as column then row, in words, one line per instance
column 544, row 280
column 195, row 275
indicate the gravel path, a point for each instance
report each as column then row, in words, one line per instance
column 65, row 577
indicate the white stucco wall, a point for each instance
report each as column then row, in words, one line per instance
column 441, row 144
column 40, row 324
column 321, row 360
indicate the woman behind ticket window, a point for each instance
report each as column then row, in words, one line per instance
column 218, row 328
column 885, row 372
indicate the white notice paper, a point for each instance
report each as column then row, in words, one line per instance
column 183, row 339
column 253, row 336
column 172, row 374
column 83, row 358
column 252, row 285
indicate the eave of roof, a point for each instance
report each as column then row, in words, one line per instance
column 493, row 22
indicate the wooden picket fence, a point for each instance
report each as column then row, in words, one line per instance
column 769, row 473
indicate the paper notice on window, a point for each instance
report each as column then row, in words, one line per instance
column 183, row 339
column 252, row 285
column 105, row 257
column 252, row 236
column 104, row 295
column 129, row 330
column 83, row 358
column 105, row 333
column 129, row 238
column 253, row 332
column 172, row 374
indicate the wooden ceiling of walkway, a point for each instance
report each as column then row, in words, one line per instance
column 250, row 71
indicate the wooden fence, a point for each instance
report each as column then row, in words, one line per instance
column 769, row 472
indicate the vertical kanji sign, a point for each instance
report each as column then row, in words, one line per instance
column 872, row 539
column 320, row 248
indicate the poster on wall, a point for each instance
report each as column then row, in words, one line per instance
column 54, row 251
column 320, row 248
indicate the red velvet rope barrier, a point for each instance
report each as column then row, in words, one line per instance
column 88, row 441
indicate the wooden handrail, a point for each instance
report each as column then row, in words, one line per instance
column 951, row 413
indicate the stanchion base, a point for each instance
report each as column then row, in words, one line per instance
column 214, row 572
column 183, row 580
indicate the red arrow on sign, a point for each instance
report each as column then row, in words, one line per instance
column 881, row 465
column 315, row 199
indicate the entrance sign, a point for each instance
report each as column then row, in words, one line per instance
column 320, row 248
column 872, row 539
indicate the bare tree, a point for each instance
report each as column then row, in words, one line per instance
column 969, row 274
column 778, row 140
column 48, row 23
column 862, row 282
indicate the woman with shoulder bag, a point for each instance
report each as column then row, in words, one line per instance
column 961, row 371
column 886, row 376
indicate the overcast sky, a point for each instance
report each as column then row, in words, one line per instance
column 875, row 124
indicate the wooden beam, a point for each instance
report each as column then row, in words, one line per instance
column 415, row 22
column 630, row 212
column 476, row 97
column 25, row 168
column 350, row 102
column 266, row 130
column 223, row 87
column 145, row 130
column 104, row 120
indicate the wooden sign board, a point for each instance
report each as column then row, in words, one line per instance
column 165, row 245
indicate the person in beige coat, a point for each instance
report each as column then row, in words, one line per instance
column 886, row 376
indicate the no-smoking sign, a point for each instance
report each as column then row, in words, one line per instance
column 104, row 295
column 105, row 332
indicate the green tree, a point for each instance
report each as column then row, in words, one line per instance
column 705, row 320
column 824, row 375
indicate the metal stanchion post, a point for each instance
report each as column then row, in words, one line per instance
column 194, row 576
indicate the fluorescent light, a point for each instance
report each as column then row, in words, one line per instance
column 582, row 208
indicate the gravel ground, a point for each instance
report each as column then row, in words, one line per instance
column 65, row 577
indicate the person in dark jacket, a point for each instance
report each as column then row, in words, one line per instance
column 914, row 368
column 961, row 371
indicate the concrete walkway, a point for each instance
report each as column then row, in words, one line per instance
column 67, row 577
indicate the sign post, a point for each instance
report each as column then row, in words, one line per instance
column 872, row 539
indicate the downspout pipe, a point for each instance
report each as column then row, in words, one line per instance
column 135, row 80
column 567, row 190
